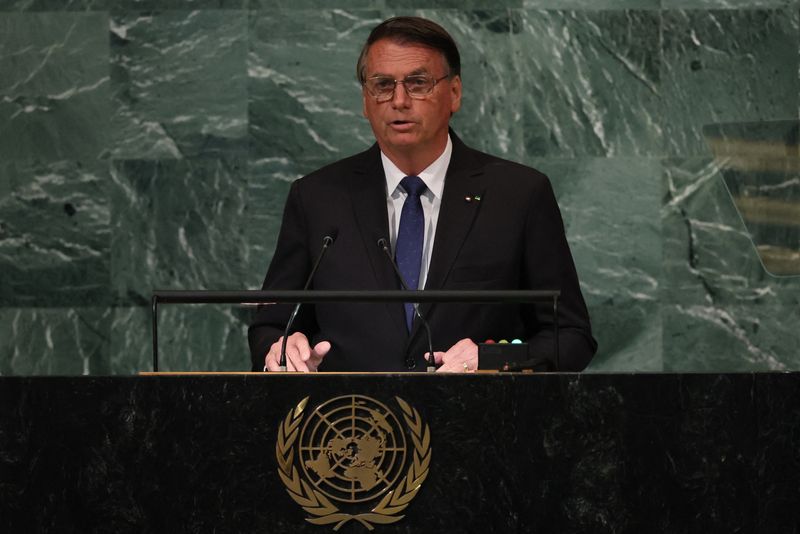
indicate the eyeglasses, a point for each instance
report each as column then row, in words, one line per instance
column 417, row 86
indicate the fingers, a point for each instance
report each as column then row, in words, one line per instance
column 442, row 357
column 273, row 357
column 322, row 348
column 461, row 358
column 317, row 355
column 464, row 346
column 301, row 352
column 296, row 356
column 299, row 355
column 271, row 362
column 437, row 357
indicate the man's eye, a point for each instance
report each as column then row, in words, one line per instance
column 416, row 81
column 384, row 84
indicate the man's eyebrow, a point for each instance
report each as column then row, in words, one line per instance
column 416, row 72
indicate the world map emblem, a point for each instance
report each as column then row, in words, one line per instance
column 353, row 459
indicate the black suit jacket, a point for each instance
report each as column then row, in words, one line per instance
column 509, row 236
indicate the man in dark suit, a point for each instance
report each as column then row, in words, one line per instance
column 455, row 219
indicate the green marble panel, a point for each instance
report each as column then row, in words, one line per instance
column 204, row 338
column 305, row 101
column 54, row 341
column 731, row 338
column 180, row 4
column 726, row 4
column 177, row 225
column 53, row 5
column 131, row 342
column 285, row 77
column 452, row 4
column 54, row 234
column 628, row 337
column 268, row 187
column 726, row 66
column 610, row 209
column 583, row 90
column 191, row 338
column 709, row 258
column 106, row 5
column 180, row 84
column 592, row 4
column 590, row 82
column 485, row 121
column 54, row 89
column 312, row 4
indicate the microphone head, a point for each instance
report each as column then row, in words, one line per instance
column 330, row 237
column 383, row 243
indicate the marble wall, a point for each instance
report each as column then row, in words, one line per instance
column 150, row 144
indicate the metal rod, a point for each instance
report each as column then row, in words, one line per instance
column 282, row 296
column 154, row 301
column 555, row 334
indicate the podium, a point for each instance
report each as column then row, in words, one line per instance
column 505, row 452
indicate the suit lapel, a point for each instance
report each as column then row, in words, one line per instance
column 368, row 194
column 464, row 181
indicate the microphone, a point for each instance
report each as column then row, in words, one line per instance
column 327, row 241
column 383, row 245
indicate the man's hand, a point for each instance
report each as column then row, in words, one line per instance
column 461, row 358
column 299, row 354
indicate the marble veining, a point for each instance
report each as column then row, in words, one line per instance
column 151, row 145
column 173, row 220
column 179, row 83
column 715, row 64
column 55, row 86
column 54, row 234
column 590, row 82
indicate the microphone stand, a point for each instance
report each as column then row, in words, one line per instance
column 327, row 241
column 431, row 360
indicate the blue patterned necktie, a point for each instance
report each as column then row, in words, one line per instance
column 410, row 238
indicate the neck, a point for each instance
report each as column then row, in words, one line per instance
column 412, row 161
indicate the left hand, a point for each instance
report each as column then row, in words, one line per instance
column 460, row 358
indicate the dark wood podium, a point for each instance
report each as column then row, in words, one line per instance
column 505, row 453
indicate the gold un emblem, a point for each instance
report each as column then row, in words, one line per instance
column 355, row 463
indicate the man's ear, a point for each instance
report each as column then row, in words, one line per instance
column 455, row 94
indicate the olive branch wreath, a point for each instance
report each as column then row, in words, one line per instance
column 317, row 504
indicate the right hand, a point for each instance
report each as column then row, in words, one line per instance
column 299, row 354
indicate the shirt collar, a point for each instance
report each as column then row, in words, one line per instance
column 433, row 175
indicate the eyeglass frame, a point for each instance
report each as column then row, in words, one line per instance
column 403, row 81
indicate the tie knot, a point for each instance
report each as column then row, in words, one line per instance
column 413, row 185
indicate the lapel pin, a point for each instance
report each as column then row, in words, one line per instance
column 468, row 199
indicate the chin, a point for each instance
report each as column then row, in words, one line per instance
column 402, row 139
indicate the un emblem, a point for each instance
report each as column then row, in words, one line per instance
column 355, row 461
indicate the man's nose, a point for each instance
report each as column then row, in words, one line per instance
column 400, row 98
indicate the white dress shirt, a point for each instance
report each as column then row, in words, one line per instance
column 431, row 200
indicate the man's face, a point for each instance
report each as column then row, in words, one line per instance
column 405, row 126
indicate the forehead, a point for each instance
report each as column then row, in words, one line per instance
column 399, row 59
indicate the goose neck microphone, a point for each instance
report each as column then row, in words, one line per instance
column 384, row 245
column 327, row 241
